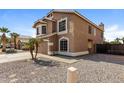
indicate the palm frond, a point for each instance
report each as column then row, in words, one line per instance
column 4, row 30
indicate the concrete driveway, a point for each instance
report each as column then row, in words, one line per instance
column 26, row 55
column 14, row 57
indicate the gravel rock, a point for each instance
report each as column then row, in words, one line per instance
column 95, row 68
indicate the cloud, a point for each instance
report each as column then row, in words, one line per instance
column 113, row 31
column 112, row 28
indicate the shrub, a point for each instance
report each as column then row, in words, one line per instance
column 11, row 51
column 25, row 47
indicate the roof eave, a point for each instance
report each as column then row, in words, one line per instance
column 77, row 13
column 34, row 26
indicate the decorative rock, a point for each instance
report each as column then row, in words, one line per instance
column 72, row 75
column 32, row 73
column 37, row 68
column 13, row 80
column 13, row 75
column 28, row 60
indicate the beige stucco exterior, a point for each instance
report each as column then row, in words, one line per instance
column 79, row 40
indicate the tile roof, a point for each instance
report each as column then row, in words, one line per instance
column 63, row 10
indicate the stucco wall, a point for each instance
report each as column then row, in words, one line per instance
column 81, row 35
column 70, row 35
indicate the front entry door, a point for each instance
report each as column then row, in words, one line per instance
column 90, row 46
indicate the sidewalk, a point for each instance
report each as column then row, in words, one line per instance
column 14, row 57
column 26, row 55
column 58, row 59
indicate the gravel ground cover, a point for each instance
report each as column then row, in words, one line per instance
column 95, row 68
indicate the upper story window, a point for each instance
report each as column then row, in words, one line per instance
column 94, row 31
column 62, row 25
column 89, row 29
column 43, row 29
column 37, row 31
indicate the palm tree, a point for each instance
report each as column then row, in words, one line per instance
column 4, row 30
column 33, row 44
column 117, row 40
column 15, row 35
column 31, row 47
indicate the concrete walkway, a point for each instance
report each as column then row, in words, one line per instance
column 58, row 59
column 26, row 55
column 14, row 57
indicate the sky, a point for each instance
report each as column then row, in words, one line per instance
column 21, row 21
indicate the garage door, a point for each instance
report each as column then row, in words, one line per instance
column 43, row 48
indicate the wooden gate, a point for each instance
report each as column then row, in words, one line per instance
column 110, row 48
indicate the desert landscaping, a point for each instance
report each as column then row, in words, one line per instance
column 95, row 68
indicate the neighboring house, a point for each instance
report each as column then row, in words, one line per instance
column 21, row 40
column 67, row 32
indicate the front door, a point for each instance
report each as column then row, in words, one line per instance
column 90, row 46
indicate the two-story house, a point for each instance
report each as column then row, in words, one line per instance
column 67, row 32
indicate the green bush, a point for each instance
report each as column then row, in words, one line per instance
column 25, row 47
column 11, row 51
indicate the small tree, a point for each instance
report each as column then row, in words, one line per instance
column 33, row 45
column 116, row 41
column 122, row 40
column 15, row 35
column 4, row 30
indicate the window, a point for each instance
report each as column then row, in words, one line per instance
column 63, row 45
column 62, row 25
column 94, row 31
column 43, row 29
column 90, row 30
column 38, row 31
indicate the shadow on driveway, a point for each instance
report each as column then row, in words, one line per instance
column 116, row 59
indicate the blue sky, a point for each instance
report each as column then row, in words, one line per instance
column 21, row 21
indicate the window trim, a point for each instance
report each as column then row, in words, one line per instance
column 67, row 44
column 37, row 31
column 89, row 29
column 94, row 31
column 65, row 31
column 40, row 29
